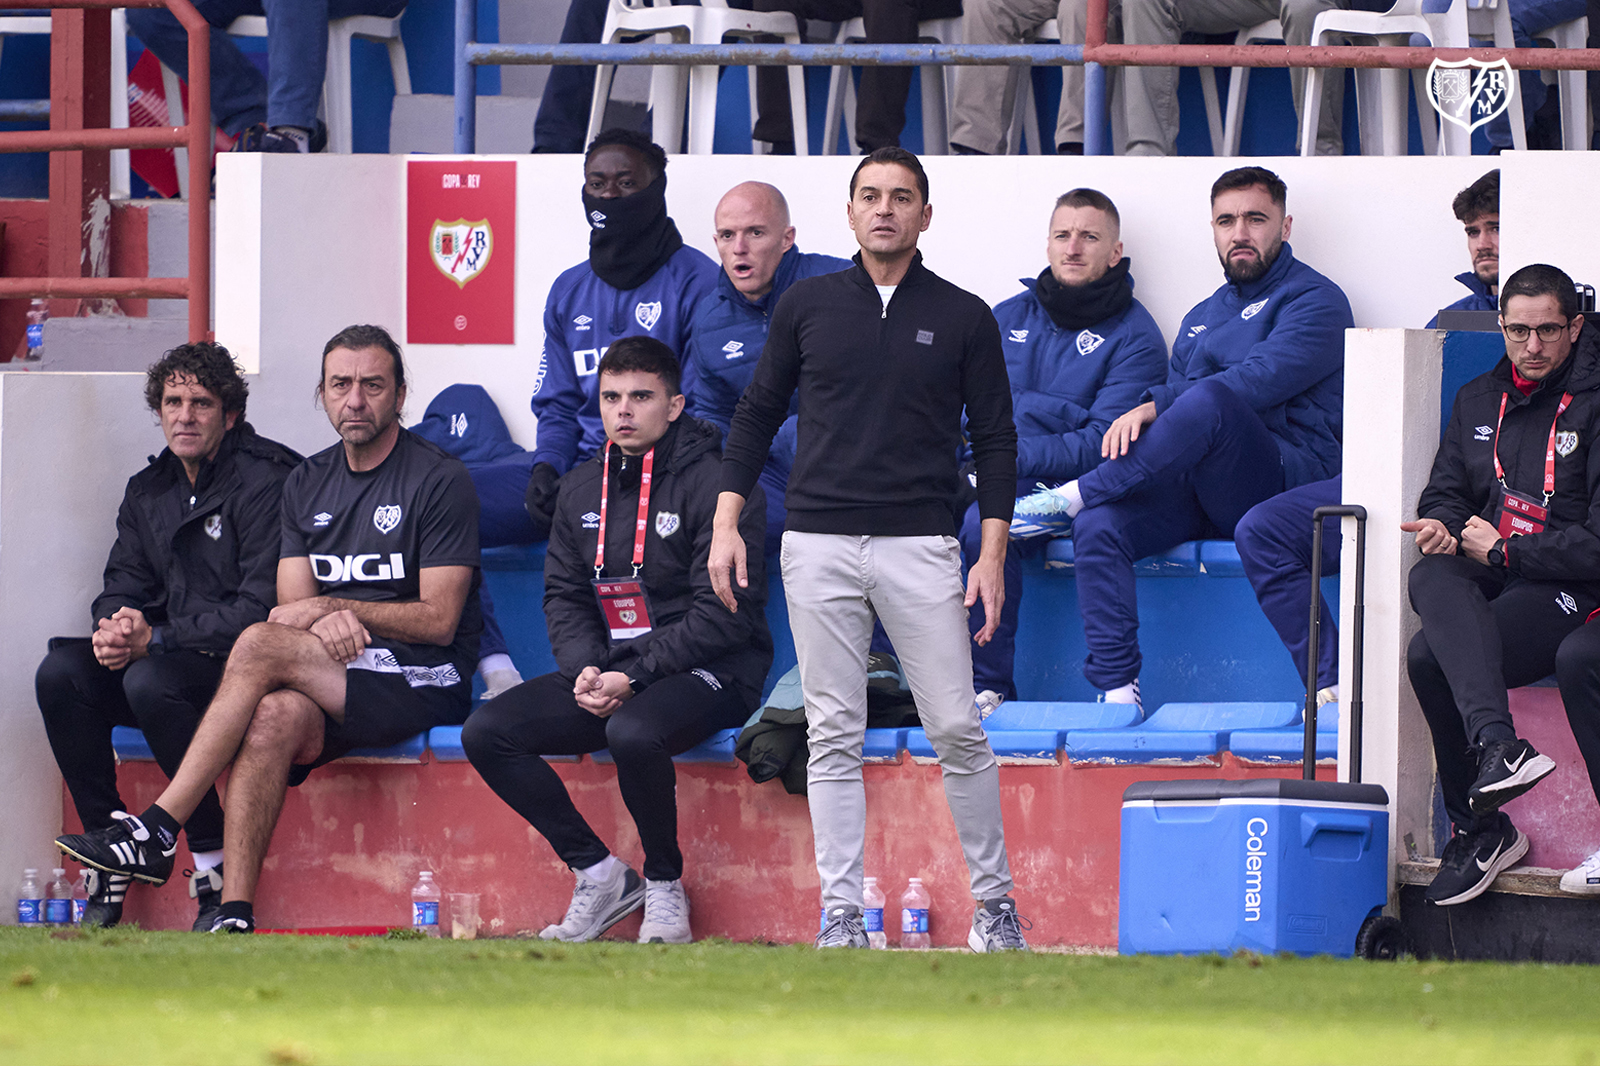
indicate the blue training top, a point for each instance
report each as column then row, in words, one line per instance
column 1479, row 299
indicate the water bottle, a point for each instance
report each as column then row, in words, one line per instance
column 914, row 917
column 872, row 898
column 38, row 312
column 58, row 899
column 425, row 904
column 80, row 897
column 30, row 904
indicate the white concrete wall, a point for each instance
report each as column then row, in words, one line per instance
column 68, row 443
column 1550, row 217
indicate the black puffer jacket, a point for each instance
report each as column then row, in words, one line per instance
column 201, row 562
column 1463, row 484
column 692, row 627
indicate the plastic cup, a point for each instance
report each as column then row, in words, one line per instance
column 463, row 915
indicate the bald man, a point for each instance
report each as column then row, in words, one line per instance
column 759, row 263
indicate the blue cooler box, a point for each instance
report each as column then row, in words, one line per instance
column 1265, row 866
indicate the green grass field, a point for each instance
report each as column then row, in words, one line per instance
column 131, row 996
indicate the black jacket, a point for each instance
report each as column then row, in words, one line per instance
column 1463, row 484
column 201, row 562
column 882, row 391
column 692, row 627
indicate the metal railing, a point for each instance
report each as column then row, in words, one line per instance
column 196, row 136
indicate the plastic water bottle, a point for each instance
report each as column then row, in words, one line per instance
column 30, row 902
column 38, row 313
column 872, row 898
column 914, row 917
column 425, row 904
column 58, row 899
column 80, row 897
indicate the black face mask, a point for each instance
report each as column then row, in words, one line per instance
column 630, row 238
column 1076, row 307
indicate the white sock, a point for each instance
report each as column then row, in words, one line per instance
column 205, row 860
column 601, row 871
column 1128, row 693
column 1327, row 695
column 497, row 661
column 1074, row 500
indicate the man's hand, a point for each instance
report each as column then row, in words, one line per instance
column 1432, row 537
column 301, row 614
column 727, row 550
column 601, row 693
column 1477, row 537
column 540, row 496
column 986, row 579
column 121, row 639
column 342, row 634
column 1125, row 430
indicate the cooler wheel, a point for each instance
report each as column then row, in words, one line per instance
column 1380, row 938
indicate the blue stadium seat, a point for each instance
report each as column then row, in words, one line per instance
column 405, row 751
column 1178, row 732
column 129, row 744
column 1028, row 732
column 717, row 749
column 1180, row 561
column 884, row 745
column 445, row 743
column 1288, row 744
column 1220, row 558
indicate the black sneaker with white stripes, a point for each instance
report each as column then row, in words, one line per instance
column 205, row 887
column 1506, row 769
column 128, row 847
column 103, row 909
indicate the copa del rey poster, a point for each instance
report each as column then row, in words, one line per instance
column 461, row 232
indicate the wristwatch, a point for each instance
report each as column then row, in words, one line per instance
column 638, row 685
column 1497, row 554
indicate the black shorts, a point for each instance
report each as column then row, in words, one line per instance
column 386, row 703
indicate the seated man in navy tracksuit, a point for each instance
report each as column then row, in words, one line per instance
column 759, row 262
column 1274, row 538
column 1253, row 405
column 1080, row 350
column 640, row 279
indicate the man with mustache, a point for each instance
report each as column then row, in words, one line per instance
column 1252, row 405
column 1478, row 208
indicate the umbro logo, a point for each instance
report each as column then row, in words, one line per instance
column 591, row 521
column 1482, row 432
column 458, row 425
column 733, row 349
column 597, row 220
column 1567, row 604
column 322, row 518
column 1019, row 335
column 582, row 322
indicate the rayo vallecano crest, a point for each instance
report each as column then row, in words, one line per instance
column 1469, row 92
column 461, row 249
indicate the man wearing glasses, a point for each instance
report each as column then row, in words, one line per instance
column 1509, row 530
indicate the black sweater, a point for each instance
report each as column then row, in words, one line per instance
column 882, row 392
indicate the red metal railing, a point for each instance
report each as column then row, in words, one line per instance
column 74, row 63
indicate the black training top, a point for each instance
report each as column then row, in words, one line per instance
column 369, row 534
column 882, row 391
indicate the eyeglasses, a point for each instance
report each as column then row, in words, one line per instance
column 1548, row 332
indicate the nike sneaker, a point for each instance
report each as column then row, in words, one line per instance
column 1471, row 862
column 128, row 847
column 1506, row 769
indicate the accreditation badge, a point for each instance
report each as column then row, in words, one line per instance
column 1520, row 515
column 624, row 605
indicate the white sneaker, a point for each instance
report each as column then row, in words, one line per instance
column 666, row 914
column 598, row 905
column 986, row 702
column 1585, row 880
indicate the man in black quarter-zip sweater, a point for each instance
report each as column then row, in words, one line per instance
column 886, row 356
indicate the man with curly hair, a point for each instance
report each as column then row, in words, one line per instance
column 194, row 563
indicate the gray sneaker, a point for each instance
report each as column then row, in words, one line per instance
column 997, row 927
column 666, row 914
column 598, row 905
column 844, row 928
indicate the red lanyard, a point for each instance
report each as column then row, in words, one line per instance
column 644, row 510
column 1549, row 447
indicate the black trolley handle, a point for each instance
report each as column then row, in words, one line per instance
column 1352, row 702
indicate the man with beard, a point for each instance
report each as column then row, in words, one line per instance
column 1080, row 350
column 640, row 279
column 1252, row 405
column 1478, row 208
column 373, row 640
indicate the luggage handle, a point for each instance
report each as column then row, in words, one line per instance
column 1352, row 704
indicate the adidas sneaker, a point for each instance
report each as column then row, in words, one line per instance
column 128, row 847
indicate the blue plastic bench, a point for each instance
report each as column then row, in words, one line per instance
column 1180, row 561
column 716, row 749
column 1178, row 732
column 130, row 745
column 1029, row 732
column 444, row 741
column 1288, row 745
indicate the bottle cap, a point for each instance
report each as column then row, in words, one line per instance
column 59, row 871
column 30, row 871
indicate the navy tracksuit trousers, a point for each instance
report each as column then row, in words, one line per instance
column 994, row 663
column 1274, row 542
column 1192, row 473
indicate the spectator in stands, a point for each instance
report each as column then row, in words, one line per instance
column 1080, row 351
column 1252, row 406
column 647, row 686
column 984, row 101
column 759, row 262
column 1274, row 537
column 886, row 357
column 1509, row 530
column 191, row 568
column 276, row 113
column 881, row 96
column 1150, row 94
column 1540, row 107
column 563, row 118
column 372, row 642
column 639, row 276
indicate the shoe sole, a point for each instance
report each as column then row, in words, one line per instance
column 625, row 906
column 1530, row 773
column 976, row 942
column 148, row 879
column 1507, row 859
column 1032, row 531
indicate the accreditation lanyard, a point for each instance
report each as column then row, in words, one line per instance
column 1521, row 515
column 622, row 600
